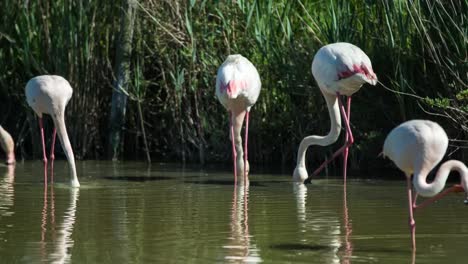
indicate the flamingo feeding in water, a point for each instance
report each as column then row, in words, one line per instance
column 339, row 69
column 237, row 88
column 49, row 94
column 8, row 145
column 416, row 147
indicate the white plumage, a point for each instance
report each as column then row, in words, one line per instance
column 339, row 69
column 8, row 145
column 416, row 147
column 342, row 67
column 237, row 88
column 237, row 83
column 49, row 94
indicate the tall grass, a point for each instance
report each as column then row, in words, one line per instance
column 416, row 47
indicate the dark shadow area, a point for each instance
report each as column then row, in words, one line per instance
column 225, row 182
column 380, row 250
column 304, row 247
column 137, row 178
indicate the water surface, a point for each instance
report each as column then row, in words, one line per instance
column 128, row 213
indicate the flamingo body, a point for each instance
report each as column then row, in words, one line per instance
column 339, row 69
column 416, row 147
column 237, row 83
column 238, row 88
column 8, row 145
column 50, row 94
column 342, row 67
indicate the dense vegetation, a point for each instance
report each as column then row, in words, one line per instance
column 417, row 47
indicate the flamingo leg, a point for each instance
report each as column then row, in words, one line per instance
column 43, row 150
column 234, row 153
column 246, row 146
column 414, row 200
column 412, row 223
column 349, row 140
column 455, row 188
column 347, row 137
column 52, row 155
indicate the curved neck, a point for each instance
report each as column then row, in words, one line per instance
column 8, row 145
column 331, row 137
column 430, row 189
column 59, row 121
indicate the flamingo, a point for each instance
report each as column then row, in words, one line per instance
column 237, row 88
column 339, row 69
column 416, row 147
column 50, row 94
column 8, row 145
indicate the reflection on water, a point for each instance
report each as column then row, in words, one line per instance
column 348, row 248
column 128, row 213
column 240, row 246
column 64, row 242
column 6, row 191
column 57, row 239
column 327, row 224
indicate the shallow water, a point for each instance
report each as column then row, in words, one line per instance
column 127, row 213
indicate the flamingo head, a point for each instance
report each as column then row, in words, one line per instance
column 366, row 73
column 300, row 174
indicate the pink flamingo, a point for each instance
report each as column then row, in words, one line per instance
column 8, row 145
column 416, row 147
column 339, row 69
column 237, row 88
column 49, row 94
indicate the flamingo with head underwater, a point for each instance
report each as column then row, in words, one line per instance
column 8, row 145
column 416, row 147
column 50, row 94
column 339, row 69
column 237, row 88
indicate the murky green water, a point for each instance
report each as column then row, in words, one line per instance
column 126, row 213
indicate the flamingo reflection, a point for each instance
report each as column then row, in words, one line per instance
column 7, row 191
column 240, row 247
column 332, row 227
column 348, row 246
column 61, row 241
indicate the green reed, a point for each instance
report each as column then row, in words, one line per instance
column 416, row 47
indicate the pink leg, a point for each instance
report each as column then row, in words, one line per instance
column 349, row 141
column 246, row 146
column 348, row 135
column 412, row 223
column 43, row 150
column 234, row 153
column 414, row 200
column 52, row 156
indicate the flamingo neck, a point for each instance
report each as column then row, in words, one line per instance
column 431, row 189
column 8, row 145
column 330, row 138
column 59, row 121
